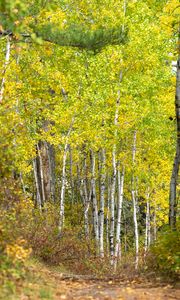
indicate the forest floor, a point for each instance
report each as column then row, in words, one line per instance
column 44, row 282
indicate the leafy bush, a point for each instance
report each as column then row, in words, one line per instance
column 165, row 254
column 14, row 249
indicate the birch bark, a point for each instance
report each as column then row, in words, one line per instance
column 113, row 186
column 71, row 175
column 107, row 215
column 133, row 193
column 112, row 200
column 41, row 174
column 101, row 212
column 85, row 198
column 94, row 200
column 119, row 214
column 7, row 58
column 155, row 226
column 148, row 225
column 63, row 186
column 63, row 179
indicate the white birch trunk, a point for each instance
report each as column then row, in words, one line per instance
column 119, row 214
column 63, row 180
column 155, row 226
column 86, row 200
column 71, row 175
column 133, row 193
column 124, row 8
column 86, row 210
column 94, row 200
column 107, row 215
column 101, row 216
column 7, row 58
column 63, row 187
column 112, row 202
column 78, row 182
column 125, row 233
column 113, row 186
column 41, row 174
column 148, row 225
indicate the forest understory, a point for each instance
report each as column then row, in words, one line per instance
column 89, row 149
column 43, row 282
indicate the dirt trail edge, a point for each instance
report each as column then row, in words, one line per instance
column 72, row 287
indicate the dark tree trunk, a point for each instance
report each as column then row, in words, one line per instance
column 174, row 177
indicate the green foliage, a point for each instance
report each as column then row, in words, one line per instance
column 78, row 37
column 44, row 293
column 11, row 14
column 165, row 253
column 14, row 250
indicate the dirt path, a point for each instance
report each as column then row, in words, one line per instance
column 74, row 288
column 45, row 283
column 119, row 292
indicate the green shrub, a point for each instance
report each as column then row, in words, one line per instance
column 165, row 253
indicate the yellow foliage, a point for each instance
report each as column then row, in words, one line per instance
column 57, row 17
column 18, row 252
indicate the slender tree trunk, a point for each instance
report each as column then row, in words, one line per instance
column 119, row 214
column 94, row 200
column 113, row 186
column 175, row 171
column 112, row 206
column 148, row 224
column 101, row 212
column 7, row 58
column 155, row 226
column 134, row 201
column 86, row 199
column 63, row 179
column 107, row 215
column 22, row 183
column 45, row 163
column 78, row 182
column 125, row 233
column 71, row 175
column 41, row 174
column 52, row 179
column 38, row 194
column 86, row 210
column 63, row 187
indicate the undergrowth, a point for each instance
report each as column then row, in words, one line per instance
column 164, row 255
column 26, row 232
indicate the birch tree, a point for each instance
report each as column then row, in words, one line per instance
column 134, row 201
column 148, row 224
column 101, row 211
column 63, row 179
column 86, row 198
column 119, row 215
column 94, row 199
column 7, row 58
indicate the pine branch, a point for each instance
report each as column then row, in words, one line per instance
column 77, row 37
